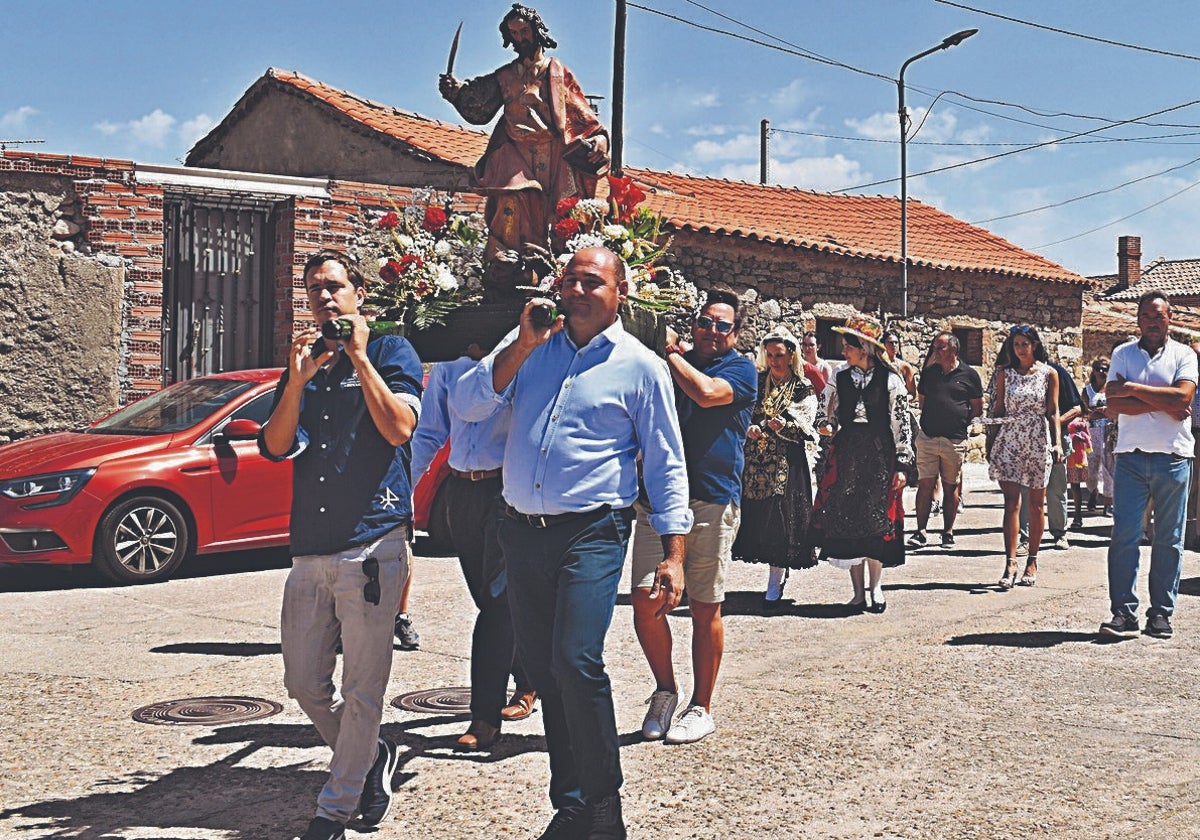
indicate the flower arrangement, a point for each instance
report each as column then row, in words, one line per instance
column 430, row 259
column 631, row 231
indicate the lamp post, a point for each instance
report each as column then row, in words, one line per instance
column 953, row 41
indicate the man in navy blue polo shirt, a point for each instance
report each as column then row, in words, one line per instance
column 715, row 389
column 345, row 410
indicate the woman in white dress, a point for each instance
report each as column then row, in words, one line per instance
column 1026, row 444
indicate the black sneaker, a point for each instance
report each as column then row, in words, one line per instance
column 409, row 638
column 607, row 823
column 1159, row 626
column 948, row 540
column 917, row 540
column 323, row 828
column 376, row 796
column 569, row 824
column 1122, row 626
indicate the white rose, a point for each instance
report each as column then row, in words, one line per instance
column 444, row 280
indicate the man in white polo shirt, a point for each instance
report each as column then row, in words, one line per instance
column 1151, row 383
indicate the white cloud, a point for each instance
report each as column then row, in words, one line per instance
column 810, row 173
column 736, row 148
column 791, row 95
column 14, row 121
column 195, row 128
column 885, row 125
column 706, row 100
column 707, row 130
column 157, row 130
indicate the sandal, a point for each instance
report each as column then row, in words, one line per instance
column 1010, row 575
column 1029, row 578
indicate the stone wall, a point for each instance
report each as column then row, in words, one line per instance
column 61, row 312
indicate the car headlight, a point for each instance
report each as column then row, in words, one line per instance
column 50, row 489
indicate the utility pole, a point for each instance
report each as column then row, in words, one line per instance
column 618, row 97
column 763, row 158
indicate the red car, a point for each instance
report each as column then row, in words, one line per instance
column 170, row 476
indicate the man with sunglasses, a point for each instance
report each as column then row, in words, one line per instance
column 715, row 390
column 344, row 410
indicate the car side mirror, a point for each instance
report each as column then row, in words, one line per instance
column 240, row 429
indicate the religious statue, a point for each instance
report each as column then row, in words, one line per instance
column 548, row 145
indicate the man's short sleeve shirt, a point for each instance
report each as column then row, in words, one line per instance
column 714, row 438
column 947, row 407
column 1155, row 431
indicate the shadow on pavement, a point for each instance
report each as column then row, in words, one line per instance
column 1032, row 639
column 216, row 796
column 222, row 648
column 1189, row 586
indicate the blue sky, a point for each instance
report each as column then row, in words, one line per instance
column 144, row 80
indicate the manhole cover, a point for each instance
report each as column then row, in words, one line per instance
column 207, row 711
column 444, row 701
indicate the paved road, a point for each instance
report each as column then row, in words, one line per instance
column 962, row 712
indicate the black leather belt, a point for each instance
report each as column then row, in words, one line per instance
column 476, row 475
column 549, row 520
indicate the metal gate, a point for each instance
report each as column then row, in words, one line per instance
column 218, row 288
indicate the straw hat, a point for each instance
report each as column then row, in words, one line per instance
column 863, row 327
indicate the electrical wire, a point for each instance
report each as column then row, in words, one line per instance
column 1192, row 185
column 1089, row 195
column 997, row 145
column 999, row 155
column 1054, row 29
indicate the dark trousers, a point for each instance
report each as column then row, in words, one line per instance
column 562, row 585
column 474, row 510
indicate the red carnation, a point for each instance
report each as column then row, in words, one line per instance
column 564, row 229
column 410, row 261
column 389, row 221
column 435, row 219
column 564, row 207
column 390, row 271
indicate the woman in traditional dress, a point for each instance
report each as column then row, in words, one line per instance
column 1026, row 444
column 776, row 482
column 858, row 515
column 1099, row 479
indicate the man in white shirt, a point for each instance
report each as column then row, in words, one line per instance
column 1151, row 383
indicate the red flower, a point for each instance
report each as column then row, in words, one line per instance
column 625, row 196
column 564, row 229
column 564, row 207
column 422, row 288
column 389, row 221
column 410, row 261
column 435, row 219
column 390, row 271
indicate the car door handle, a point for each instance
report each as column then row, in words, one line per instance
column 200, row 469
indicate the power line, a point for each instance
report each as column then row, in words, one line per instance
column 1017, row 151
column 1147, row 139
column 1111, row 43
column 1089, row 195
column 1122, row 219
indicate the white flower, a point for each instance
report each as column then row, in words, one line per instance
column 442, row 248
column 563, row 259
column 404, row 242
column 444, row 280
column 615, row 232
column 626, row 249
column 584, row 240
column 590, row 207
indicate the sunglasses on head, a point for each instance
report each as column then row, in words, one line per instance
column 370, row 568
column 1024, row 329
column 704, row 322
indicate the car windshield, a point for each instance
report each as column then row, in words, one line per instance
column 172, row 409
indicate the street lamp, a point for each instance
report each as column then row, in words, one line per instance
column 953, row 41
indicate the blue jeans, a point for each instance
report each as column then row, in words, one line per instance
column 562, row 588
column 1141, row 478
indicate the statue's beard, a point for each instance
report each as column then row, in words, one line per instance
column 525, row 49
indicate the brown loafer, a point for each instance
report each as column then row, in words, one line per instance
column 480, row 735
column 520, row 706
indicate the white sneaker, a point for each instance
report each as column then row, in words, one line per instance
column 658, row 716
column 691, row 726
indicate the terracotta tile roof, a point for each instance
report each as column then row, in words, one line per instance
column 1177, row 278
column 1119, row 318
column 859, row 226
column 448, row 141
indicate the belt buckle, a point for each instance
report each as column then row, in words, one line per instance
column 473, row 475
column 537, row 520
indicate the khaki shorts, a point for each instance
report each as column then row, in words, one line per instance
column 709, row 547
column 939, row 456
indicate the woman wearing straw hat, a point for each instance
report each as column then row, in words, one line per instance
column 858, row 514
column 776, row 483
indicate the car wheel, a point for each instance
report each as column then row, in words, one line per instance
column 141, row 540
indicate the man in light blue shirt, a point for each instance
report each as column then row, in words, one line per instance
column 474, row 509
column 586, row 399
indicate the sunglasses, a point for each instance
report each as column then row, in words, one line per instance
column 706, row 323
column 370, row 568
column 1020, row 328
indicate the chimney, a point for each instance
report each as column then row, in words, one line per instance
column 1129, row 261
